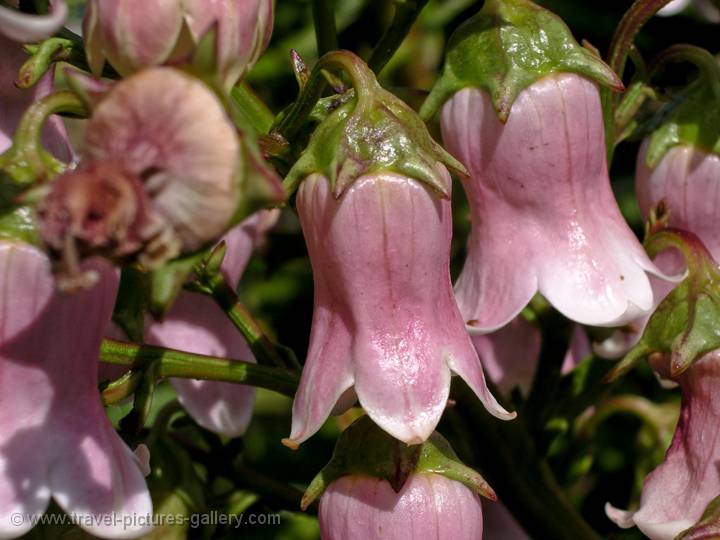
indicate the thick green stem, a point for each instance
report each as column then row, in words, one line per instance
column 509, row 460
column 166, row 363
column 360, row 75
column 406, row 13
column 620, row 46
column 325, row 29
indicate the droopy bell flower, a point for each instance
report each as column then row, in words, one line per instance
column 136, row 34
column 544, row 216
column 676, row 493
column 377, row 487
column 55, row 439
column 526, row 121
column 196, row 324
column 385, row 321
column 163, row 171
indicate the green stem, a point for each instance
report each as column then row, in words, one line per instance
column 703, row 60
column 27, row 157
column 620, row 46
column 260, row 344
column 252, row 108
column 509, row 460
column 361, row 77
column 172, row 363
column 406, row 13
column 325, row 29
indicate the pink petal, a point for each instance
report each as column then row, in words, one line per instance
column 196, row 324
column 384, row 310
column 510, row 355
column 428, row 506
column 686, row 180
column 56, row 439
column 24, row 28
column 676, row 493
column 544, row 215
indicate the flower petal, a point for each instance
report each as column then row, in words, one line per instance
column 23, row 27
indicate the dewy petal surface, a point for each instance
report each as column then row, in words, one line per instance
column 544, row 216
column 55, row 438
column 385, row 319
column 676, row 493
column 428, row 506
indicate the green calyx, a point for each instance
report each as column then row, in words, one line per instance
column 374, row 132
column 508, row 46
column 684, row 325
column 694, row 117
column 364, row 449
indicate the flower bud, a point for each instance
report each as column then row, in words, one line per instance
column 428, row 506
column 55, row 438
column 378, row 487
column 163, row 172
column 133, row 35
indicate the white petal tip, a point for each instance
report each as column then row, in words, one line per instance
column 622, row 518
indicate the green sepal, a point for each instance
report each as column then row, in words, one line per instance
column 45, row 55
column 692, row 119
column 684, row 325
column 508, row 46
column 365, row 449
column 374, row 133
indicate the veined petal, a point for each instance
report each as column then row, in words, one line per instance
column 544, row 216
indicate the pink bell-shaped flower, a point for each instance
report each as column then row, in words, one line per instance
column 196, row 324
column 55, row 439
column 136, row 34
column 428, row 506
column 677, row 492
column 385, row 322
column 544, row 215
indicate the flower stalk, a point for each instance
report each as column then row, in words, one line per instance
column 165, row 363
